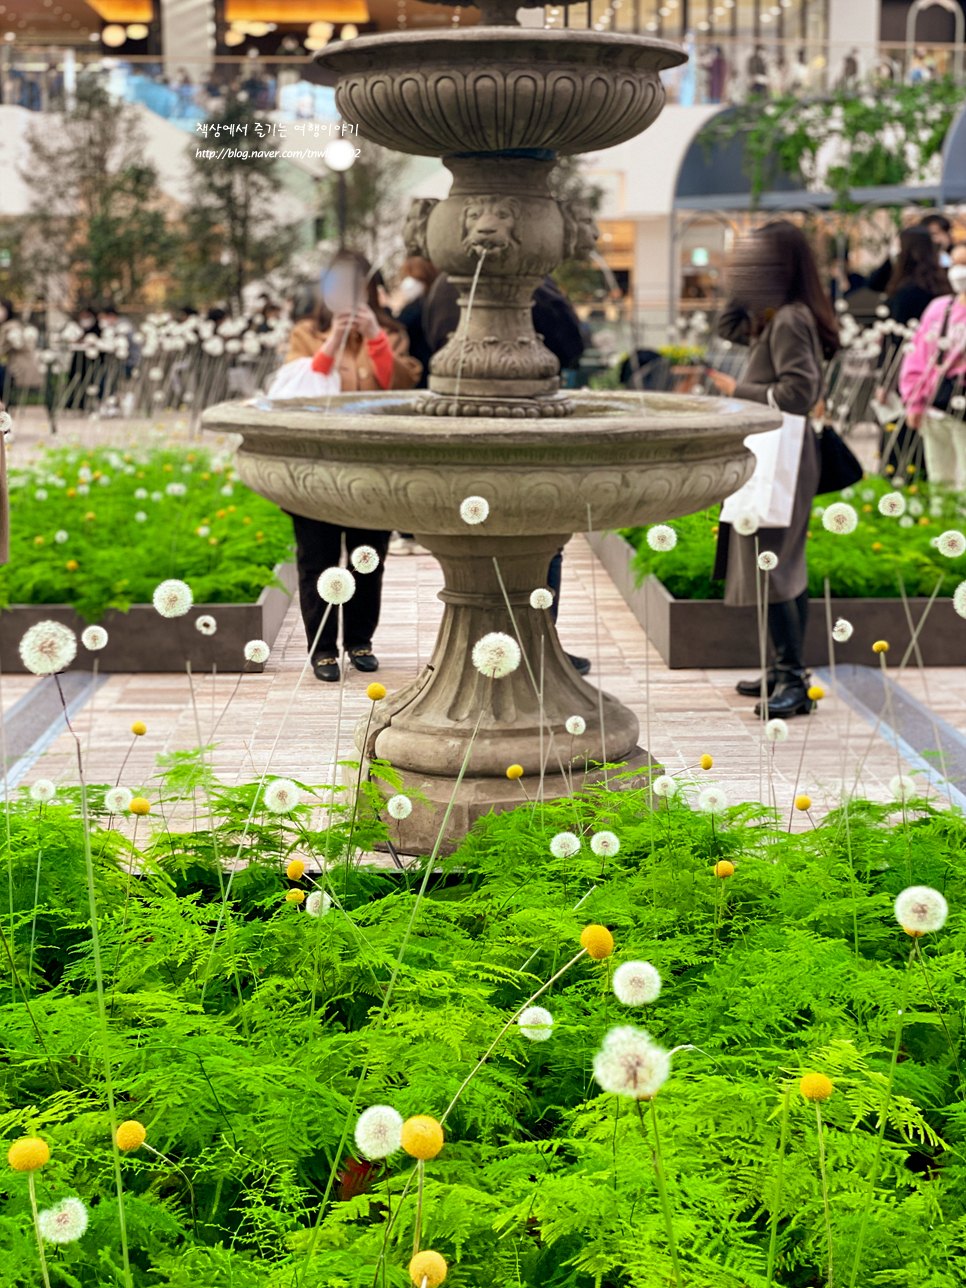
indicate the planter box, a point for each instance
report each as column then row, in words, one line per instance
column 705, row 633
column 141, row 640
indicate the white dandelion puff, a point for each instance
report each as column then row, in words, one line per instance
column 282, row 796
column 636, row 984
column 365, row 559
column 712, row 800
column 140, row 516
column 399, row 807
column 205, row 624
column 257, row 651
column 605, row 844
column 65, row 1222
column 337, row 585
column 118, row 800
column 776, row 730
column 176, row 489
column 379, row 1131
column 746, row 523
column 318, row 903
column 61, row 536
column 202, row 530
column 140, row 494
column 94, row 638
column 842, row 630
column 664, row 786
column 541, row 598
column 40, row 494
column 474, row 509
column 536, row 1023
column 575, row 726
column 48, row 647
column 564, row 845
column 840, row 518
column 227, row 490
column 902, row 787
column 951, row 544
column 157, row 496
column 630, row 1064
column 959, row 599
column 42, row 791
column 916, row 507
column 920, row 909
column 767, row 561
column 662, row 537
column 173, row 598
column 892, row 504
column 496, row 655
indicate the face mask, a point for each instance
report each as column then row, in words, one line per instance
column 957, row 278
column 412, row 288
column 945, row 258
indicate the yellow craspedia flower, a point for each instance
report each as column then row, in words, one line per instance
column 295, row 896
column 38, row 541
column 90, row 516
column 803, row 802
column 71, row 565
column 28, row 1153
column 598, row 941
column 876, row 546
column 221, row 514
column 295, row 870
column 880, row 646
column 140, row 806
column 131, row 1135
column 514, row 771
column 724, row 869
column 375, row 691
column 815, row 1086
column 422, row 1136
column 706, row 761
column 139, row 728
column 816, row 693
column 429, row 1268
column 867, row 509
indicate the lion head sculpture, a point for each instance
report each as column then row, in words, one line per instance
column 580, row 230
column 414, row 229
column 489, row 223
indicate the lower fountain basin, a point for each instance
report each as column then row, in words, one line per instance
column 368, row 460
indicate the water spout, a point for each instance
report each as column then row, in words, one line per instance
column 481, row 251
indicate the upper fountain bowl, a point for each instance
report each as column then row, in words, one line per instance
column 500, row 89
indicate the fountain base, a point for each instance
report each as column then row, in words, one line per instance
column 434, row 403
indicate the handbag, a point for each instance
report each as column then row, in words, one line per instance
column 770, row 492
column 840, row 467
column 296, row 379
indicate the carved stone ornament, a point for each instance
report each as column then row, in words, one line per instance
column 414, row 229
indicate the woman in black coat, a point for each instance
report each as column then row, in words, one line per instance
column 779, row 308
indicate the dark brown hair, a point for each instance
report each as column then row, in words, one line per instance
column 322, row 314
column 918, row 264
column 421, row 269
column 778, row 267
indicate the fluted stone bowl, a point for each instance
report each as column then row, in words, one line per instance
column 498, row 89
column 622, row 459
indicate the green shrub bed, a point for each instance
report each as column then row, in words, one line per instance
column 100, row 529
column 867, row 563
column 247, row 1035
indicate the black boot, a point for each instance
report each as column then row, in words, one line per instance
column 752, row 688
column 790, row 695
column 786, row 626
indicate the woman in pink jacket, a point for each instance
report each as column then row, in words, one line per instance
column 932, row 378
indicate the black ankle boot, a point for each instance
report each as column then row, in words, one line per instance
column 752, row 688
column 790, row 696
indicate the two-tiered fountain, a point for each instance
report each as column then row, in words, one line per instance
column 498, row 103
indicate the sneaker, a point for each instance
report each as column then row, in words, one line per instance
column 326, row 668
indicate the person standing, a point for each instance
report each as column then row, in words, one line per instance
column 370, row 351
column 932, row 376
column 779, row 309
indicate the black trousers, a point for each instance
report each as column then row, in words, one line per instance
column 554, row 578
column 318, row 546
column 786, row 626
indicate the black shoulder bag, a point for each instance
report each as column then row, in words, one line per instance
column 840, row 467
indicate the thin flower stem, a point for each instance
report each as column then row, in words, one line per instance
column 33, row 919
column 355, row 799
column 600, row 687
column 883, row 1119
column 191, row 1189
column 40, row 1239
column 902, row 795
column 776, row 1209
column 798, row 773
column 492, row 1047
column 127, row 757
column 662, row 1189
column 935, row 1001
column 420, row 1181
column 821, row 1168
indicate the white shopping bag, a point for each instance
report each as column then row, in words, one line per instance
column 296, row 379
column 770, row 492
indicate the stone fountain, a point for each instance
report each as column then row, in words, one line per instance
column 497, row 103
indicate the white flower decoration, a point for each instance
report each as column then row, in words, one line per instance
column 746, row 523
column 227, row 490
column 536, row 1023
column 541, row 598
column 65, row 1222
column 840, row 518
column 892, row 504
column 173, row 598
column 920, row 909
column 337, row 585
column 662, row 537
column 157, row 496
column 282, row 796
column 118, row 800
column 176, row 489
column 842, row 631
column 94, row 638
column 575, row 726
column 48, row 647
column 767, row 561
column 605, row 844
column 379, row 1131
column 496, row 655
column 206, row 624
column 951, row 544
column 907, row 521
column 140, row 516
column 364, row 559
column 40, row 494
column 902, row 787
column 257, row 651
column 42, row 791
column 712, row 800
column 318, row 903
column 776, row 730
column 474, row 509
column 636, row 984
column 664, row 786
column 916, row 507
column 564, row 845
column 399, row 807
column 630, row 1064
column 61, row 536
column 959, row 599
column 140, row 494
